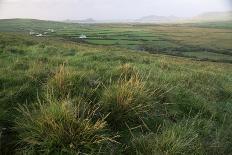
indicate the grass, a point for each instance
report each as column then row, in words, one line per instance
column 62, row 127
column 208, row 55
column 175, row 39
column 64, row 97
column 127, row 100
column 178, row 139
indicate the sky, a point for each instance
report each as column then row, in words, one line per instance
column 108, row 9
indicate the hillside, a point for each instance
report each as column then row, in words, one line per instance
column 121, row 89
column 63, row 97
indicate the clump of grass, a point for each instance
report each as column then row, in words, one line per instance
column 124, row 70
column 176, row 139
column 54, row 126
column 127, row 70
column 39, row 71
column 21, row 65
column 51, row 50
column 66, row 82
column 69, row 52
column 127, row 100
column 60, row 84
column 14, row 50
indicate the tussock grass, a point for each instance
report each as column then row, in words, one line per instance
column 127, row 100
column 39, row 71
column 127, row 70
column 61, row 127
column 14, row 50
column 189, row 136
column 181, row 138
column 60, row 83
column 68, row 82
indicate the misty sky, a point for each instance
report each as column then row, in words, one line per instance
column 108, row 9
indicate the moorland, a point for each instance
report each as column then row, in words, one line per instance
column 68, row 88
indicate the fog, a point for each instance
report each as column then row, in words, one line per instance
column 108, row 9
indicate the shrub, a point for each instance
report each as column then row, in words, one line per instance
column 57, row 127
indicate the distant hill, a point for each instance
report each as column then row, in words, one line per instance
column 88, row 20
column 205, row 17
column 159, row 19
column 214, row 16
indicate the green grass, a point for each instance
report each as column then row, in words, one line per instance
column 63, row 97
column 208, row 55
column 221, row 25
column 61, row 127
column 178, row 139
column 175, row 39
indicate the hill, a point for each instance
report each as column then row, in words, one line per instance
column 204, row 17
column 88, row 20
column 157, row 19
column 214, row 16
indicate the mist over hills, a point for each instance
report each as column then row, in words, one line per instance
column 204, row 17
column 214, row 16
column 155, row 18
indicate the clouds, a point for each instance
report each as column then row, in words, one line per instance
column 106, row 9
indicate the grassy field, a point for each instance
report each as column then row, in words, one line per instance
column 60, row 95
column 176, row 39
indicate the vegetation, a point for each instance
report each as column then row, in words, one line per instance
column 186, row 40
column 61, row 127
column 59, row 96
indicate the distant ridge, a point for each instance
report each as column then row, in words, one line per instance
column 205, row 17
column 88, row 20
column 159, row 19
column 214, row 16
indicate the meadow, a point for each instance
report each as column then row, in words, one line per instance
column 125, row 89
column 186, row 40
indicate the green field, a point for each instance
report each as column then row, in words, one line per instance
column 125, row 89
column 176, row 39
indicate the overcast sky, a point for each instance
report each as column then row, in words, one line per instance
column 107, row 9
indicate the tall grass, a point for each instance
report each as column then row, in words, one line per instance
column 67, row 81
column 58, row 127
column 60, row 83
column 133, row 89
column 181, row 138
column 127, row 100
